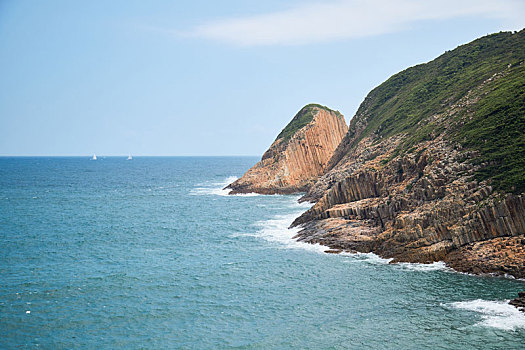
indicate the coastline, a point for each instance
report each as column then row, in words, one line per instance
column 338, row 248
column 331, row 243
column 341, row 237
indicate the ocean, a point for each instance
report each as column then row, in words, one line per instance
column 152, row 253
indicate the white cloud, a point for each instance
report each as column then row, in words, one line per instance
column 320, row 22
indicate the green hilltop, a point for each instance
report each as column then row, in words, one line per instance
column 493, row 124
column 301, row 119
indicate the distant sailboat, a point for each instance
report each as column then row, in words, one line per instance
column 94, row 157
column 130, row 157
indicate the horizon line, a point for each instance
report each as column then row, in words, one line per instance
column 118, row 155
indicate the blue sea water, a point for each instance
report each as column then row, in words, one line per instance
column 152, row 253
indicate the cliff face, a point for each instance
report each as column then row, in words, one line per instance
column 433, row 165
column 298, row 156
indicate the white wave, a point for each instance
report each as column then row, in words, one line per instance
column 494, row 314
column 370, row 258
column 375, row 259
column 435, row 266
column 302, row 207
column 213, row 188
column 218, row 189
column 205, row 191
column 251, row 194
column 276, row 230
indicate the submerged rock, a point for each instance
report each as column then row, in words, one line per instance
column 333, row 251
column 519, row 302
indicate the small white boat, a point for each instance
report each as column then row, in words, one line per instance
column 130, row 157
column 94, row 157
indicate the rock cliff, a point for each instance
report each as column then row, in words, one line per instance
column 433, row 165
column 298, row 156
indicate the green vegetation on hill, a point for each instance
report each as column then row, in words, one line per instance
column 496, row 129
column 301, row 119
column 496, row 123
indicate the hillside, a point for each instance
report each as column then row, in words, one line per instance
column 433, row 164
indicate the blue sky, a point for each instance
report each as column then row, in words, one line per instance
column 207, row 77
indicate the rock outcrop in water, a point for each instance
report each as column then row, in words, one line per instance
column 298, row 156
column 519, row 302
column 433, row 165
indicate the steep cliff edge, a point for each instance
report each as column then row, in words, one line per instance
column 298, row 156
column 433, row 165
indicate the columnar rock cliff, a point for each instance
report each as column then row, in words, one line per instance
column 299, row 154
column 433, row 165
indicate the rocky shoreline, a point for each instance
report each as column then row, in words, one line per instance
column 416, row 210
column 430, row 169
column 424, row 193
column 459, row 261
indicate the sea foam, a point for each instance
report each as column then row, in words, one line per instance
column 494, row 314
column 435, row 266
column 370, row 258
column 217, row 188
column 276, row 230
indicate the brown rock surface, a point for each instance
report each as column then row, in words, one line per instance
column 502, row 255
column 294, row 163
column 421, row 205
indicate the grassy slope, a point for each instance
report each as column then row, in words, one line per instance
column 497, row 125
column 497, row 130
column 301, row 119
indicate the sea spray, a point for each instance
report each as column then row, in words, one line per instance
column 494, row 314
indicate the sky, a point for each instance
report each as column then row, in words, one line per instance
column 198, row 78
